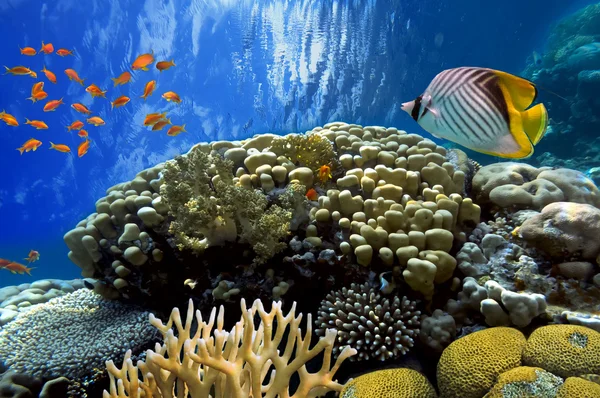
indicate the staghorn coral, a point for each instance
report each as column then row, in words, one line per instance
column 305, row 150
column 389, row 383
column 376, row 326
column 243, row 362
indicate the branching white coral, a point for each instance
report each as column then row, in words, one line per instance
column 232, row 364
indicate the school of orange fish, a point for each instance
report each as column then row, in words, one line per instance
column 155, row 120
column 18, row 268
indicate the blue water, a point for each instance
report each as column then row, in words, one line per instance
column 243, row 67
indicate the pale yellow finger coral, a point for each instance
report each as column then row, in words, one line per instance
column 389, row 383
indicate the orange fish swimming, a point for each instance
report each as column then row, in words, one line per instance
column 96, row 121
column 149, row 89
column 73, row 76
column 30, row 145
column 38, row 124
column 143, row 61
column 123, row 78
column 174, row 131
column 49, row 75
column 159, row 125
column 37, row 87
column 28, row 51
column 83, row 148
column 16, row 268
column 82, row 133
column 4, row 262
column 60, row 147
column 153, row 118
column 324, row 173
column 164, row 65
column 47, row 48
column 64, row 52
column 52, row 105
column 8, row 119
column 32, row 256
column 81, row 108
column 95, row 91
column 312, row 194
column 20, row 71
column 121, row 101
column 172, row 96
column 76, row 125
column 38, row 96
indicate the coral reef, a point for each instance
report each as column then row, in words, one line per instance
column 389, row 383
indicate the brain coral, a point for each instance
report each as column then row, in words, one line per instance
column 525, row 382
column 468, row 367
column 576, row 387
column 565, row 350
column 389, row 383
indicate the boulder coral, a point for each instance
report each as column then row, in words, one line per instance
column 389, row 383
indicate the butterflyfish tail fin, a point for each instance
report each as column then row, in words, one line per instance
column 522, row 91
column 535, row 122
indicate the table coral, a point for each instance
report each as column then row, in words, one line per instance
column 389, row 383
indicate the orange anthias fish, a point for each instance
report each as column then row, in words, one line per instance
column 47, row 48
column 52, row 105
column 20, row 71
column 81, row 108
column 312, row 194
column 60, row 147
column 32, row 256
column 96, row 121
column 37, row 87
column 28, row 51
column 123, row 78
column 153, row 118
column 38, row 96
column 95, row 91
column 8, row 119
column 16, row 268
column 159, row 125
column 143, row 61
column 63, row 52
column 324, row 173
column 76, row 125
column 174, row 131
column 83, row 148
column 4, row 262
column 38, row 124
column 121, row 101
column 49, row 75
column 164, row 65
column 73, row 76
column 149, row 89
column 30, row 145
column 82, row 133
column 172, row 96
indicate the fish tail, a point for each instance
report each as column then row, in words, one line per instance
column 27, row 121
column 115, row 80
column 28, row 270
column 169, row 121
column 52, row 146
column 32, row 99
column 183, row 128
column 21, row 150
column 81, row 81
column 144, row 68
column 7, row 69
column 535, row 122
column 173, row 62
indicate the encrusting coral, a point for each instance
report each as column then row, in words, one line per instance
column 246, row 361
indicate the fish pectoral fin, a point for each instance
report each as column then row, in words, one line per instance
column 521, row 91
column 535, row 122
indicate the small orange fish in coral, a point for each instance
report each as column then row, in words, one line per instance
column 164, row 65
column 47, row 48
column 172, row 96
column 64, row 52
column 20, row 71
column 161, row 124
column 72, row 75
column 30, row 51
column 324, row 173
column 96, row 121
column 49, row 75
column 38, row 124
column 311, row 194
column 30, row 145
column 149, row 89
column 8, row 119
column 52, row 105
column 83, row 148
column 95, row 91
column 82, row 133
column 81, row 108
column 153, row 118
column 60, row 147
column 120, row 101
column 143, row 61
column 123, row 78
column 174, row 131
column 76, row 125
column 33, row 256
column 16, row 268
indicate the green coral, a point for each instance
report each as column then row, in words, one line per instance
column 209, row 210
column 308, row 150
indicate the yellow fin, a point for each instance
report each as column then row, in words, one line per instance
column 535, row 122
column 521, row 91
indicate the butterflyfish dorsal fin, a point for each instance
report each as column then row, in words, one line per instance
column 521, row 91
column 535, row 122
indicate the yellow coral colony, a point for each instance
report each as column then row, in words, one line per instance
column 232, row 364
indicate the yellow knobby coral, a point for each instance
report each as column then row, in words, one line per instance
column 576, row 387
column 389, row 383
column 525, row 382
